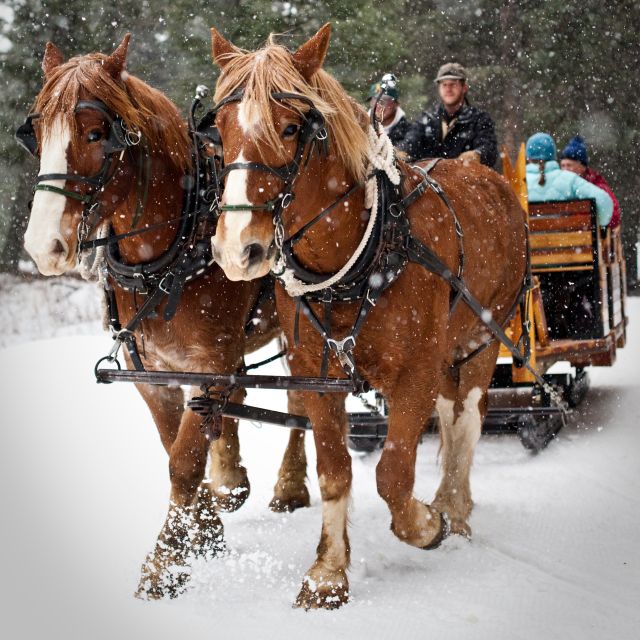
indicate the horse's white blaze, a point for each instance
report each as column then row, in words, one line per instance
column 46, row 214
column 235, row 192
column 230, row 253
column 247, row 117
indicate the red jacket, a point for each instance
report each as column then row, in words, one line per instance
column 595, row 178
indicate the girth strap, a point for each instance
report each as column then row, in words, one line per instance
column 422, row 255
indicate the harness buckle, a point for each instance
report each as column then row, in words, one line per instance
column 322, row 134
column 84, row 227
column 163, row 283
column 287, row 199
column 342, row 349
column 215, row 204
column 278, row 233
column 395, row 209
column 131, row 136
column 119, row 338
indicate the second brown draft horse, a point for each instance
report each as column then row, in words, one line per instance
column 298, row 150
column 115, row 151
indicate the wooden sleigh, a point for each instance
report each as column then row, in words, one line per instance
column 576, row 310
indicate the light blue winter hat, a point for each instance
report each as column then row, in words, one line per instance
column 540, row 146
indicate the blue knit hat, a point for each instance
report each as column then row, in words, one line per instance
column 540, row 146
column 576, row 150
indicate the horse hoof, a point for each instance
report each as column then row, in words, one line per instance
column 208, row 537
column 169, row 583
column 229, row 500
column 324, row 595
column 460, row 528
column 209, row 542
column 441, row 535
column 288, row 505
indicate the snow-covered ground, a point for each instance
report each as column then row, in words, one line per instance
column 47, row 307
column 84, row 480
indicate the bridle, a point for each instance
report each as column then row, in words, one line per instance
column 119, row 139
column 312, row 133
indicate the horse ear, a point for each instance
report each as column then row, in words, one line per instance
column 52, row 58
column 310, row 56
column 114, row 64
column 221, row 49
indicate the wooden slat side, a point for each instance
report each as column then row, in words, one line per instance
column 563, row 239
column 573, row 222
column 561, row 257
column 570, row 206
column 549, row 269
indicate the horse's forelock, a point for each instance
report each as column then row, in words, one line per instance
column 141, row 107
column 270, row 70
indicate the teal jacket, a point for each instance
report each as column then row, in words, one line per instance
column 566, row 185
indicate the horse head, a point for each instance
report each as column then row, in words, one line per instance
column 93, row 132
column 276, row 108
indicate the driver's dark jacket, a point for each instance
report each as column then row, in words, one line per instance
column 472, row 129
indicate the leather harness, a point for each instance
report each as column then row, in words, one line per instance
column 188, row 256
column 391, row 247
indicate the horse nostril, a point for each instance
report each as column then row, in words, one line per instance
column 57, row 248
column 254, row 252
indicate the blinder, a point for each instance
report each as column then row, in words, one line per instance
column 118, row 140
column 26, row 135
column 119, row 137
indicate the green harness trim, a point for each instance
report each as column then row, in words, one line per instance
column 270, row 205
column 63, row 192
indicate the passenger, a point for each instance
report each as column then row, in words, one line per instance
column 574, row 158
column 389, row 112
column 453, row 129
column 546, row 181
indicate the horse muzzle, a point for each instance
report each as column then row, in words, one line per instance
column 52, row 256
column 250, row 261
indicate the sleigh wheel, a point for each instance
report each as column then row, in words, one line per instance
column 365, row 445
column 577, row 390
column 535, row 435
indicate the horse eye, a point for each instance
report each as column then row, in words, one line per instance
column 290, row 131
column 94, row 135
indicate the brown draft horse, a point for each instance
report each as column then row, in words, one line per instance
column 409, row 342
column 207, row 332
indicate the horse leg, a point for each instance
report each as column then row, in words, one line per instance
column 461, row 406
column 228, row 483
column 325, row 584
column 166, row 406
column 192, row 527
column 290, row 491
column 410, row 407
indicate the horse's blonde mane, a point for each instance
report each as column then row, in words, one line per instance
column 271, row 69
column 140, row 106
